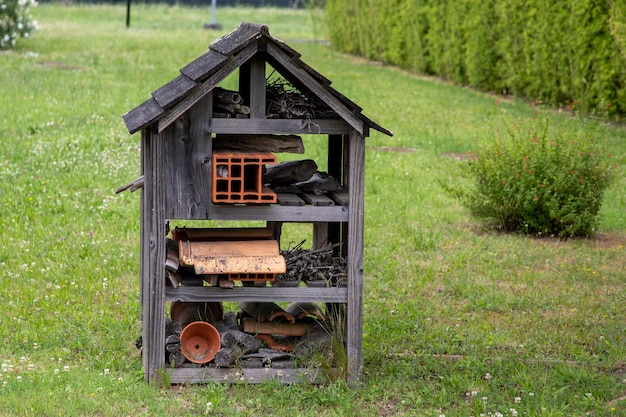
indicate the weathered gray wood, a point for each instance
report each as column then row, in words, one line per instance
column 143, row 115
column 290, row 172
column 153, row 258
column 288, row 199
column 281, row 213
column 279, row 126
column 241, row 37
column 303, row 76
column 318, row 200
column 257, row 294
column 188, row 164
column 199, row 375
column 259, row 143
column 144, row 241
column 200, row 68
column 174, row 91
column 320, row 235
column 340, row 197
column 257, row 88
column 132, row 186
column 227, row 355
column 203, row 89
column 354, row 326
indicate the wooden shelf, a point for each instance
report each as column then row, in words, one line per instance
column 257, row 294
column 197, row 375
column 279, row 126
column 280, row 213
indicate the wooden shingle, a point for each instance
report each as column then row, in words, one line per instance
column 172, row 92
column 224, row 56
column 201, row 68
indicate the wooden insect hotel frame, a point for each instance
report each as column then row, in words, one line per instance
column 185, row 177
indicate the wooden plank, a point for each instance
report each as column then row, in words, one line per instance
column 257, row 294
column 288, row 199
column 187, row 163
column 144, row 238
column 154, row 253
column 200, row 375
column 354, row 325
column 203, row 89
column 280, row 213
column 314, row 86
column 279, row 126
column 341, row 197
column 318, row 200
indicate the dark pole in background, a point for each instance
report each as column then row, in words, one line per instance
column 213, row 24
column 128, row 13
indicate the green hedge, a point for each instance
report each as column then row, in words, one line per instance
column 567, row 53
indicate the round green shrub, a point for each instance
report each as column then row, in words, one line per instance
column 15, row 21
column 538, row 177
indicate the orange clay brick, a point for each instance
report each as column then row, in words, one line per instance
column 252, row 277
column 238, row 177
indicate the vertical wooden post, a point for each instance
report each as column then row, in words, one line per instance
column 153, row 258
column 325, row 232
column 257, row 88
column 354, row 331
column 252, row 86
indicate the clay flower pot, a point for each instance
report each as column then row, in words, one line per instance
column 199, row 342
column 188, row 312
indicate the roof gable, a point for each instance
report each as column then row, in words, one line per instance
column 225, row 55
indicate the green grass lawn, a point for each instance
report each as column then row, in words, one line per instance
column 457, row 321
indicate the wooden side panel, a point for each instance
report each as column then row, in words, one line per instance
column 153, row 258
column 188, row 164
column 355, row 256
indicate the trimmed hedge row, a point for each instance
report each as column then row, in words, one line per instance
column 564, row 53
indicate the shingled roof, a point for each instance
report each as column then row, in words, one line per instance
column 224, row 56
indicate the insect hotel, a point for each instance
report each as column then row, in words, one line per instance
column 208, row 155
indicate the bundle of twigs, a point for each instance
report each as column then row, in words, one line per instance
column 314, row 265
column 283, row 101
